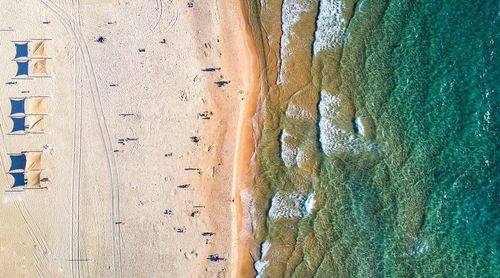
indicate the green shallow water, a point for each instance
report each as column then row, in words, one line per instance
column 417, row 193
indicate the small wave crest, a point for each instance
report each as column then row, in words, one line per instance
column 310, row 203
column 296, row 112
column 332, row 138
column 288, row 152
column 290, row 14
column 291, row 153
column 330, row 25
column 261, row 264
column 291, row 205
column 359, row 126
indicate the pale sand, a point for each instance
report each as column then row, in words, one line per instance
column 69, row 230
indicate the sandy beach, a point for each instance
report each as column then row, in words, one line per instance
column 146, row 140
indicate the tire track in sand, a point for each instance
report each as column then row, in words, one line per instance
column 105, row 136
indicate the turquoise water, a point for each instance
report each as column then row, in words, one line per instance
column 394, row 166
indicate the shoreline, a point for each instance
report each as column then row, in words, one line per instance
column 243, row 163
column 233, row 138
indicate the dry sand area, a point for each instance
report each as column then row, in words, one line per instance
column 112, row 206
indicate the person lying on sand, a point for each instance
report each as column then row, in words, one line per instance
column 207, row 234
column 210, row 69
column 180, row 229
column 221, row 83
column 215, row 258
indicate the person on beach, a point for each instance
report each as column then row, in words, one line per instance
column 100, row 39
column 168, row 212
column 221, row 83
column 207, row 234
column 180, row 229
column 215, row 258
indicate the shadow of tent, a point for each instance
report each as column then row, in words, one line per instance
column 36, row 105
column 33, row 179
column 37, row 48
column 35, row 124
column 33, row 161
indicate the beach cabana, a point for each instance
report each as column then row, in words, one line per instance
column 33, row 68
column 28, row 105
column 26, row 161
column 29, row 124
column 31, row 58
column 26, row 180
column 21, row 50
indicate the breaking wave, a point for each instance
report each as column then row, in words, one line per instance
column 330, row 25
column 332, row 138
column 290, row 205
column 290, row 14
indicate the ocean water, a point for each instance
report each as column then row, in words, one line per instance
column 378, row 155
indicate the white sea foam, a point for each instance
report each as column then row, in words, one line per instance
column 291, row 154
column 248, row 208
column 329, row 104
column 270, row 39
column 259, row 267
column 288, row 152
column 359, row 125
column 310, row 202
column 296, row 112
column 290, row 14
column 261, row 264
column 418, row 248
column 330, row 25
column 301, row 157
column 487, row 117
column 288, row 205
column 264, row 248
column 332, row 138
